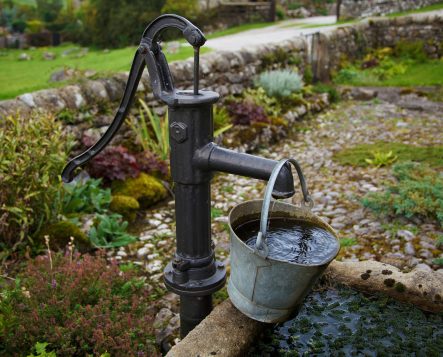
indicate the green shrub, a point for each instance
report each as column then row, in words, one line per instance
column 333, row 94
column 85, row 197
column 280, row 83
column 110, row 232
column 417, row 192
column 414, row 50
column 80, row 306
column 147, row 190
column 259, row 97
column 347, row 75
column 186, row 8
column 32, row 155
column 125, row 205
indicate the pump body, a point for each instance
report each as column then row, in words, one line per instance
column 193, row 273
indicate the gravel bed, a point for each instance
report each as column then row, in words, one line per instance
column 336, row 190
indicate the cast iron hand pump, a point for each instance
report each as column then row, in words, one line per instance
column 194, row 273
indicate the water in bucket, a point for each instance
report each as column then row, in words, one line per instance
column 292, row 240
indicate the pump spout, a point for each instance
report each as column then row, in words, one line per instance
column 214, row 158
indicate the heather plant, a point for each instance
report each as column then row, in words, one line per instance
column 280, row 83
column 85, row 197
column 32, row 155
column 247, row 113
column 417, row 192
column 78, row 305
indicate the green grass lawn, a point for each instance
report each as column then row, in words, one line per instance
column 18, row 77
column 428, row 73
column 434, row 7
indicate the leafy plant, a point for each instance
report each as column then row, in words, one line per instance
column 333, row 94
column 417, row 192
column 259, row 97
column 347, row 242
column 110, row 232
column 86, row 197
column 40, row 350
column 155, row 136
column 247, row 113
column 280, row 83
column 78, row 305
column 380, row 158
column 222, row 120
column 221, row 117
column 33, row 153
column 114, row 163
column 151, row 163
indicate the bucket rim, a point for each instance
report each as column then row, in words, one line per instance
column 334, row 233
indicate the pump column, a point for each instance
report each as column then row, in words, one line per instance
column 193, row 274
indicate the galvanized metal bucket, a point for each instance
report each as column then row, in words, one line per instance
column 261, row 287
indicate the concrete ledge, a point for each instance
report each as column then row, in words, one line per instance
column 225, row 332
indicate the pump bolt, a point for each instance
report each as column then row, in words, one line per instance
column 179, row 132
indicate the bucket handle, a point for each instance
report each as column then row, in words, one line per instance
column 260, row 245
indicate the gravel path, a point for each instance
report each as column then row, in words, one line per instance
column 336, row 191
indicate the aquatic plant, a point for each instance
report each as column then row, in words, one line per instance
column 341, row 321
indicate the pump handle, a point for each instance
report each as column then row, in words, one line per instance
column 150, row 54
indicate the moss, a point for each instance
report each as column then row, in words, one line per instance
column 386, row 272
column 399, row 287
column 60, row 234
column 365, row 276
column 127, row 206
column 147, row 190
column 389, row 282
column 357, row 155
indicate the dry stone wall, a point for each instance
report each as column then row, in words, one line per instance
column 230, row 72
column 366, row 8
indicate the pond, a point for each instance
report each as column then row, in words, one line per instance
column 342, row 322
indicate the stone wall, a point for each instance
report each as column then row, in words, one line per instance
column 230, row 72
column 351, row 42
column 366, row 8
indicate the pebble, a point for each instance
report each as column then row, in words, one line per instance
column 142, row 252
column 405, row 234
column 122, row 253
column 409, row 249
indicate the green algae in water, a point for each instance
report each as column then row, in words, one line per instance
column 351, row 324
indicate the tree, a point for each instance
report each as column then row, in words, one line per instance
column 186, row 8
column 338, row 9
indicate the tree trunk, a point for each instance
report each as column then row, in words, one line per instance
column 338, row 9
column 272, row 10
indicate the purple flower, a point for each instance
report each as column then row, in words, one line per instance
column 54, row 283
